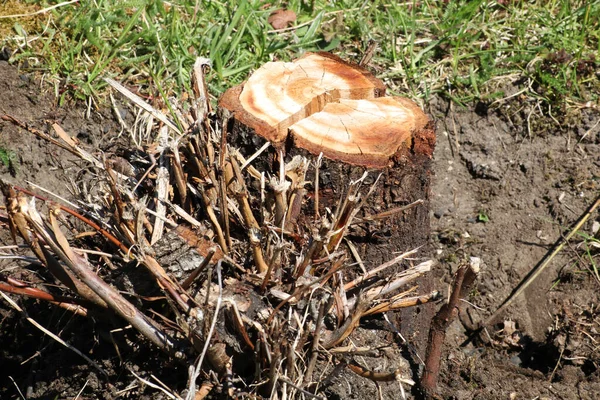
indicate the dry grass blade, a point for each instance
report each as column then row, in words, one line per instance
column 377, row 270
column 538, row 269
column 53, row 336
column 137, row 100
column 75, row 149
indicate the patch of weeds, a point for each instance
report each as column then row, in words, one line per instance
column 584, row 261
column 9, row 159
column 482, row 216
column 590, row 250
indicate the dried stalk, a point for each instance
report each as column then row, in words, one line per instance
column 314, row 249
column 340, row 334
column 224, row 180
column 197, row 369
column 190, row 279
column 75, row 149
column 388, row 213
column 339, row 228
column 379, row 376
column 317, row 167
column 402, row 278
column 138, row 101
column 21, row 222
column 40, row 134
column 214, row 220
column 110, row 237
column 377, row 270
column 206, row 177
column 254, row 233
column 337, row 265
column 162, row 185
column 399, row 303
column 68, row 303
column 80, row 267
column 315, row 343
column 200, row 103
column 180, row 180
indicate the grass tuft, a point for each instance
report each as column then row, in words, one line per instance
column 539, row 52
column 9, row 159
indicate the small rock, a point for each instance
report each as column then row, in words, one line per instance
column 439, row 213
column 516, row 360
column 481, row 167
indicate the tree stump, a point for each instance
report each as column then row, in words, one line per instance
column 322, row 104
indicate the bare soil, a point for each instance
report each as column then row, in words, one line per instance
column 498, row 194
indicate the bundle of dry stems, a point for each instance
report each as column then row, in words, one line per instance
column 287, row 295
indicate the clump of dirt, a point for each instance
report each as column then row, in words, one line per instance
column 498, row 194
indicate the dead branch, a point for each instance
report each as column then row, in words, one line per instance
column 379, row 376
column 68, row 303
column 464, row 278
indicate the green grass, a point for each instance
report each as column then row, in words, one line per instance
column 588, row 253
column 8, row 158
column 470, row 51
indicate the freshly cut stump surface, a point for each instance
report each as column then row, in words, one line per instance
column 280, row 94
column 322, row 104
column 363, row 132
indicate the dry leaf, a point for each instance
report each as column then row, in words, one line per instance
column 281, row 18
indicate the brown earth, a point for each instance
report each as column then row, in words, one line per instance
column 498, row 194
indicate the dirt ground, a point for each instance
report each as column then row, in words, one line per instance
column 498, row 194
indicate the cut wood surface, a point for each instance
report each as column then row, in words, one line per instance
column 326, row 105
column 366, row 132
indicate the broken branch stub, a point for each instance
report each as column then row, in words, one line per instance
column 323, row 104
